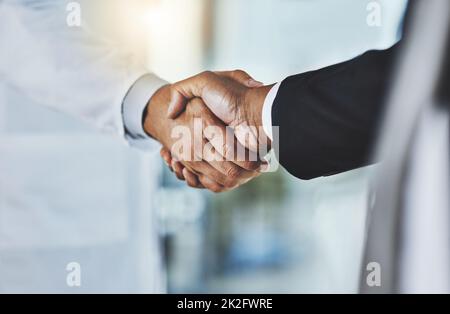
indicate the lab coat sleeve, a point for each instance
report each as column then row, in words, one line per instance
column 70, row 69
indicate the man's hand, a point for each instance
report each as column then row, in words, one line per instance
column 217, row 173
column 236, row 104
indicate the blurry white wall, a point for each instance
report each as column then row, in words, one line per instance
column 176, row 37
column 277, row 38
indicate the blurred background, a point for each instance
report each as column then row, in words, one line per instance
column 275, row 234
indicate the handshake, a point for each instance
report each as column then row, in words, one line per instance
column 210, row 126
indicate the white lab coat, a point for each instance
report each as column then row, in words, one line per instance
column 69, row 193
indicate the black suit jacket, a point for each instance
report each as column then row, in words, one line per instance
column 328, row 119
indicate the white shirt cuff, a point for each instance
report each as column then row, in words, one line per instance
column 267, row 110
column 135, row 103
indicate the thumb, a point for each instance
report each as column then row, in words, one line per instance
column 183, row 91
column 241, row 77
column 177, row 104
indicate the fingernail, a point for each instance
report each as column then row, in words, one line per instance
column 254, row 83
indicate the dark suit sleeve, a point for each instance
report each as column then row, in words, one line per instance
column 328, row 119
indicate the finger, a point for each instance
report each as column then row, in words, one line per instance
column 187, row 89
column 233, row 151
column 226, row 146
column 167, row 157
column 241, row 77
column 178, row 169
column 234, row 174
column 203, row 168
column 193, row 173
column 207, row 176
column 191, row 179
column 211, row 184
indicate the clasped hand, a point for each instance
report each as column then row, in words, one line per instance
column 210, row 126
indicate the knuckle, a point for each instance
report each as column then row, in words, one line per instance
column 206, row 74
column 197, row 108
column 173, row 88
column 196, row 102
column 233, row 172
column 219, row 178
column 214, row 176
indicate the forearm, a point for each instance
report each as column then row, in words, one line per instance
column 156, row 123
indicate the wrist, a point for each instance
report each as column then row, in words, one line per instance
column 155, row 113
column 254, row 104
